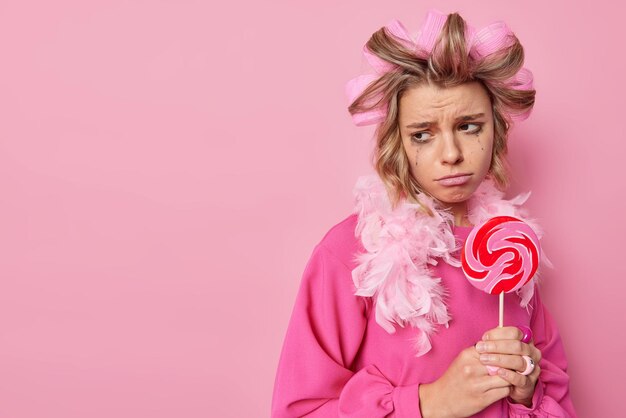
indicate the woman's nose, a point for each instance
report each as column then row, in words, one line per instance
column 451, row 153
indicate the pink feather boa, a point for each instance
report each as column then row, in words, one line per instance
column 401, row 243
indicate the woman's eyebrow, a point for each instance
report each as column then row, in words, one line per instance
column 459, row 119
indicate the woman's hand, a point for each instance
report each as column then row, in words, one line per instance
column 502, row 347
column 464, row 389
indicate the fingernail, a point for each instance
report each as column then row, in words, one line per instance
column 486, row 357
column 480, row 346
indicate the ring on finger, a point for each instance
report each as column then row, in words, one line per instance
column 527, row 333
column 530, row 366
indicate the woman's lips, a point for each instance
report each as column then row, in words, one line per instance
column 455, row 181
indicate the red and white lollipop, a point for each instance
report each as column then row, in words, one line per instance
column 500, row 256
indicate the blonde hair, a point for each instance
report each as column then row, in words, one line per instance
column 449, row 65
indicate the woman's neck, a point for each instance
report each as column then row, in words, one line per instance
column 459, row 211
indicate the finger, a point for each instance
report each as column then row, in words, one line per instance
column 536, row 353
column 508, row 361
column 477, row 370
column 494, row 395
column 516, row 379
column 504, row 347
column 485, row 383
column 503, row 333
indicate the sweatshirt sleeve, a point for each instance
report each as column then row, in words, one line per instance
column 315, row 376
column 551, row 398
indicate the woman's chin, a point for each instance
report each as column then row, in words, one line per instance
column 454, row 196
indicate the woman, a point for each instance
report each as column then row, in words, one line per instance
column 443, row 105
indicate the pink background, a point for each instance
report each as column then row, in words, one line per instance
column 168, row 166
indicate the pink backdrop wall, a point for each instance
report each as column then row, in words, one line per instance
column 166, row 168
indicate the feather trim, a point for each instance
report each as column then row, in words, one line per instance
column 399, row 244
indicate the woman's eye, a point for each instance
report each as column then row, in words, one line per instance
column 419, row 137
column 477, row 129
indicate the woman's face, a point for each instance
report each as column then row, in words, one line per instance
column 447, row 132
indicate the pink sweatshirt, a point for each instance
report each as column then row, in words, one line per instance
column 336, row 361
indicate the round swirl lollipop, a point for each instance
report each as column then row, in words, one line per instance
column 500, row 256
